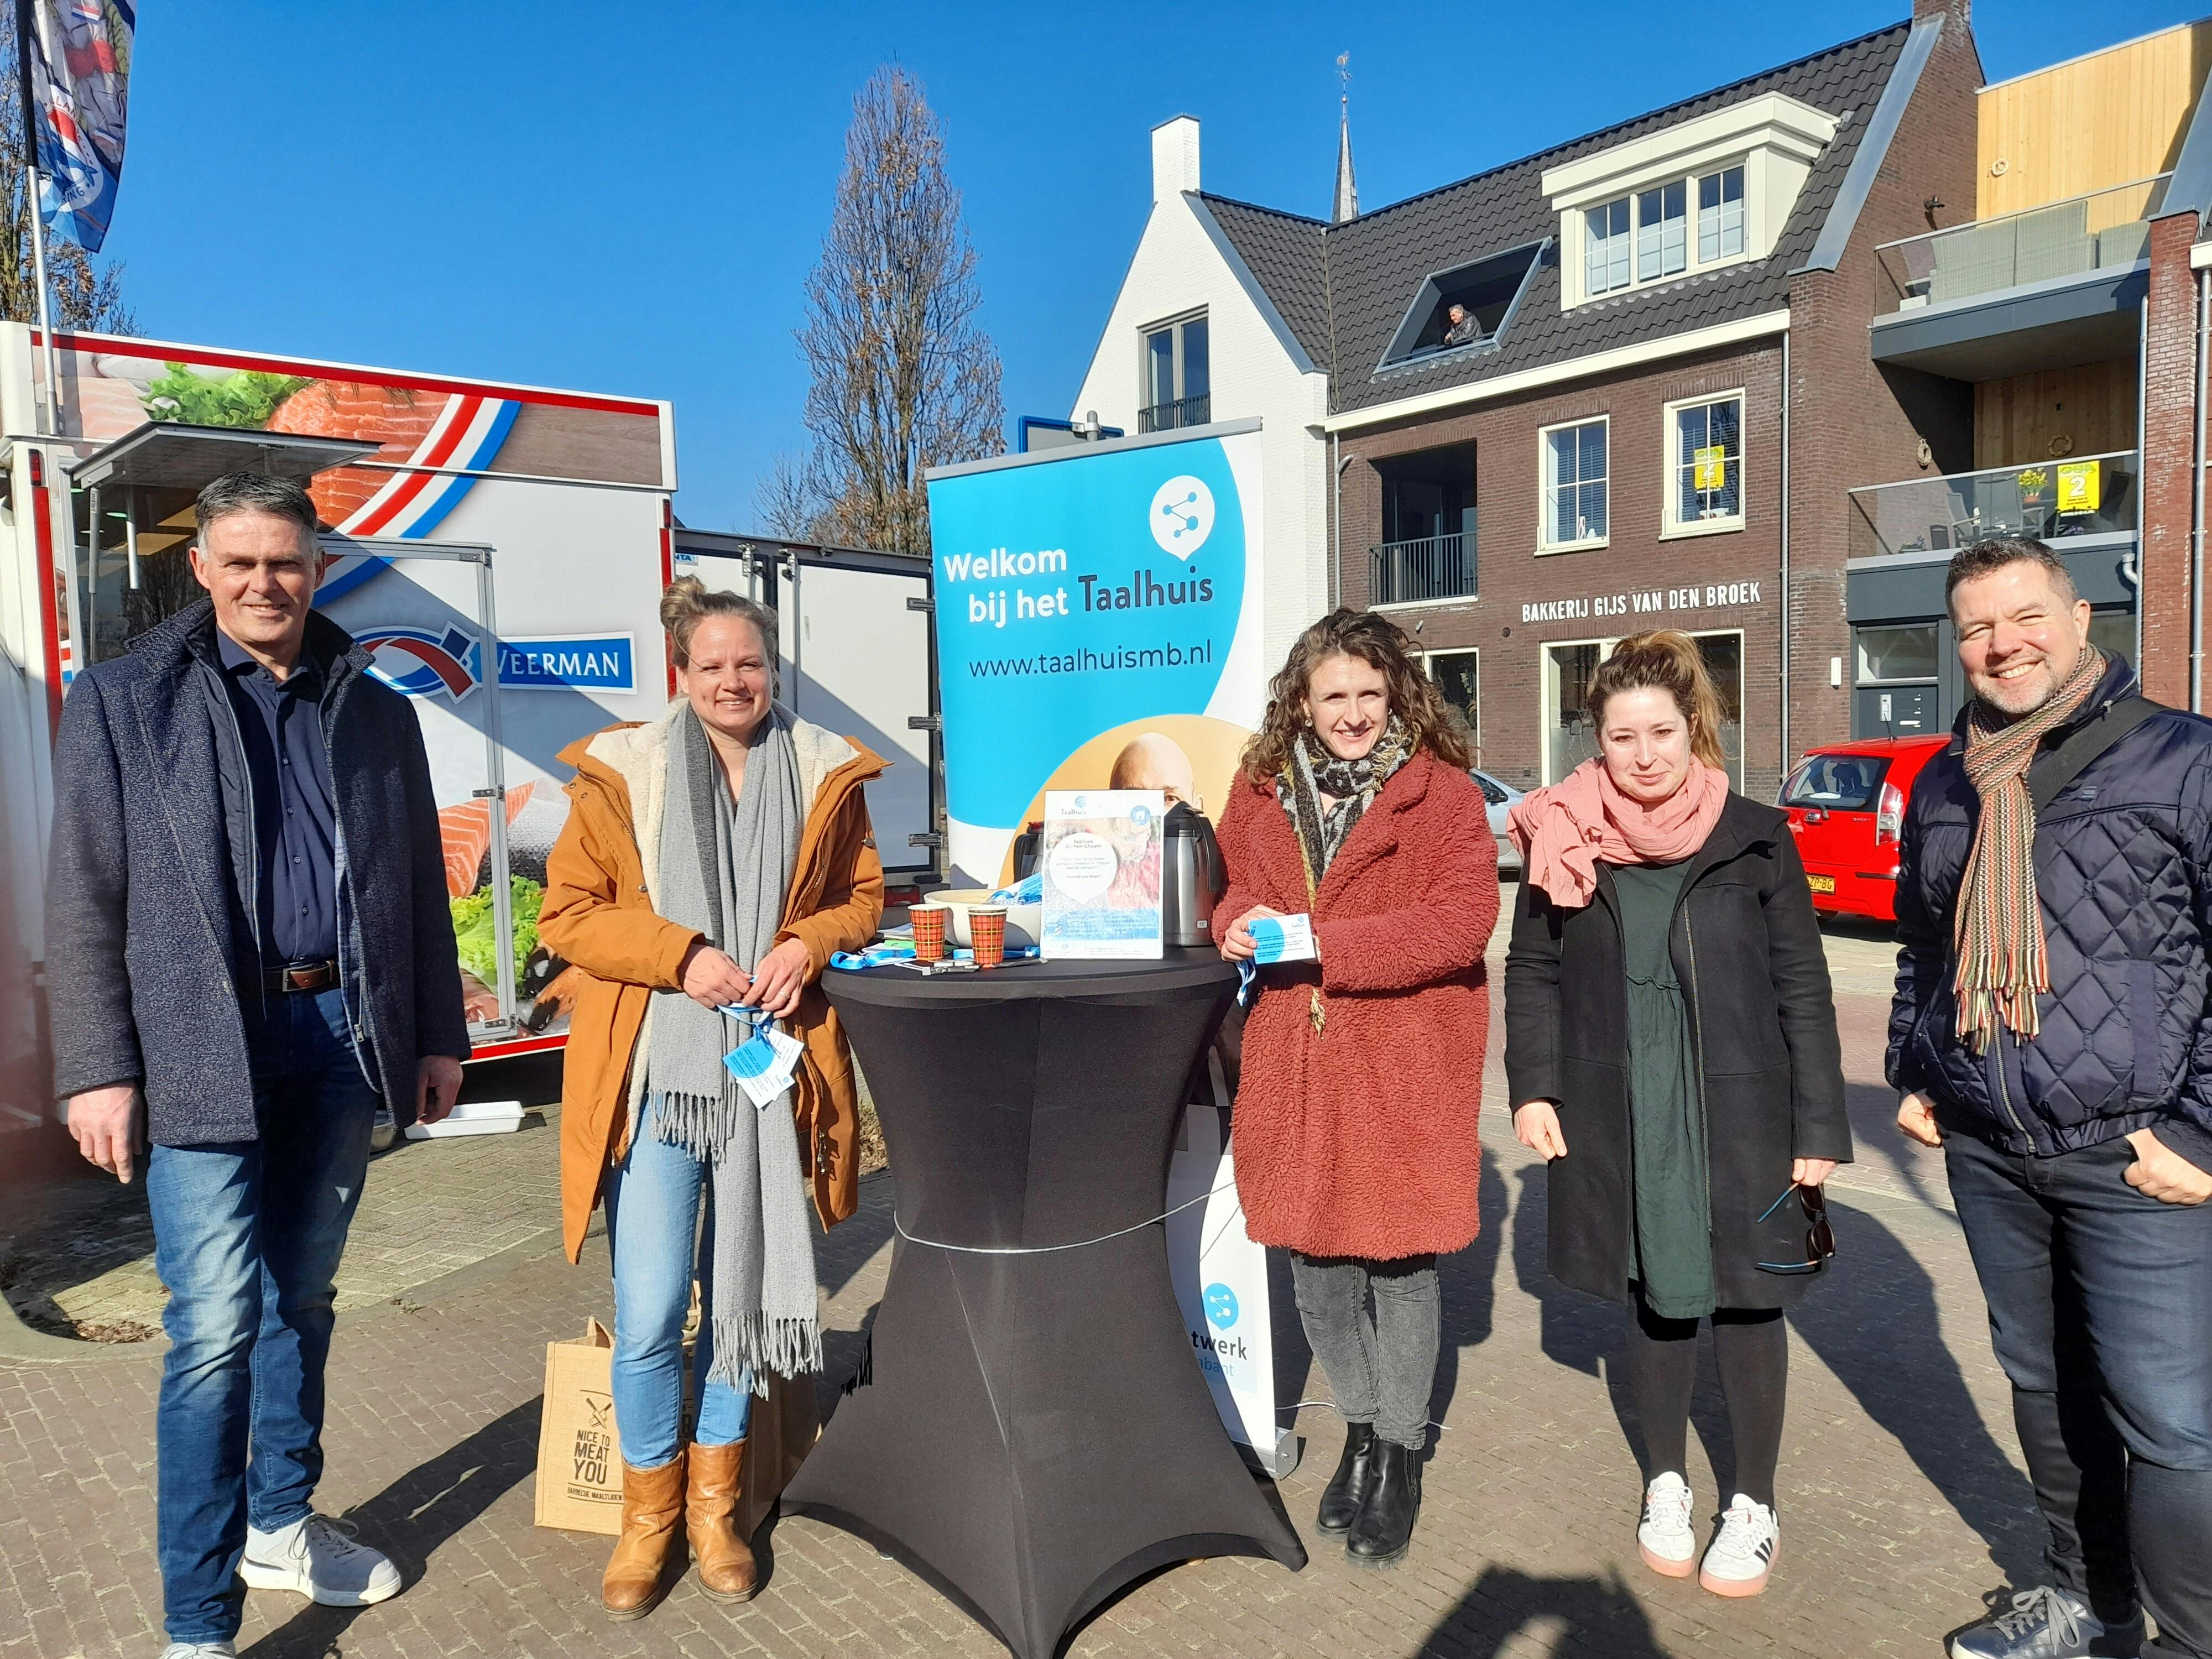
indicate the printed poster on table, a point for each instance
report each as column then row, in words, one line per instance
column 1102, row 874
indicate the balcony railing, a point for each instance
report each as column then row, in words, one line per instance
column 1430, row 568
column 1183, row 411
column 2107, row 229
column 2052, row 500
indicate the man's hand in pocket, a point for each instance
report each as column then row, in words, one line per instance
column 2161, row 1173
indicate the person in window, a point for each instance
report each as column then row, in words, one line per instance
column 1460, row 327
column 1356, row 1144
column 1670, row 1039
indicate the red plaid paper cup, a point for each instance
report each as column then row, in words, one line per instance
column 930, row 922
column 987, row 928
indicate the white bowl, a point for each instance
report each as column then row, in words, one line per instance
column 1024, row 922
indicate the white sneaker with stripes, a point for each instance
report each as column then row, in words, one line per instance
column 1665, row 1537
column 1740, row 1557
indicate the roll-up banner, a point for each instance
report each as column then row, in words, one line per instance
column 1098, row 627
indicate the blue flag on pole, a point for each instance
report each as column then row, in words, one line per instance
column 77, row 59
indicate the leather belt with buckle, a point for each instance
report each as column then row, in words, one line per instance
column 301, row 976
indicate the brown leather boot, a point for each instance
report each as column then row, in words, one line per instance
column 716, row 1477
column 648, row 1555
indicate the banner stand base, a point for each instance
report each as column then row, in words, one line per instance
column 1281, row 1463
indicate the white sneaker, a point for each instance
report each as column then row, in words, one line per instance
column 318, row 1558
column 200, row 1651
column 1666, row 1539
column 1742, row 1556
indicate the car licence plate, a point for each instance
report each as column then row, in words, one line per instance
column 1821, row 884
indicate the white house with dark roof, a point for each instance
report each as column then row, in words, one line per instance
column 1623, row 383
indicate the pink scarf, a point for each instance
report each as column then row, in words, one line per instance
column 1563, row 831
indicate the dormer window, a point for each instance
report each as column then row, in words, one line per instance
column 1463, row 308
column 1710, row 191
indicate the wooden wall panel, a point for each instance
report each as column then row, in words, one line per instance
column 2105, row 119
column 2015, row 419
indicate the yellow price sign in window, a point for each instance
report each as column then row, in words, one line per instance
column 2079, row 486
column 1710, row 468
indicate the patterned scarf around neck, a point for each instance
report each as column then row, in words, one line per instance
column 1998, row 930
column 726, row 868
column 1315, row 771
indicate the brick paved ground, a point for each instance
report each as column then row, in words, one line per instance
column 1902, row 1502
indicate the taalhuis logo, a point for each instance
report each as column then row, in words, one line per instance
column 1221, row 1311
column 1183, row 515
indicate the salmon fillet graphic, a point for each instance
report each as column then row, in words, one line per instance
column 466, row 831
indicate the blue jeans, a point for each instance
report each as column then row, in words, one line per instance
column 247, row 1235
column 2100, row 1311
column 653, row 1230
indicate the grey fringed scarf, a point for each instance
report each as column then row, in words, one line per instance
column 725, row 870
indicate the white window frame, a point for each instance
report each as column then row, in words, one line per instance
column 1545, row 544
column 1547, row 695
column 1776, row 140
column 1429, row 667
column 1720, row 232
column 1672, row 528
column 1172, row 327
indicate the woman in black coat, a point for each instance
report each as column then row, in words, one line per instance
column 1671, row 1050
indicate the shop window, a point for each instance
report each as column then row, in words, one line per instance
column 1724, row 655
column 1907, row 652
column 1719, row 216
column 1574, row 485
column 1571, row 737
column 1662, row 231
column 1458, row 676
column 2113, row 633
column 1178, row 377
column 1464, row 307
column 1605, row 247
column 1704, row 452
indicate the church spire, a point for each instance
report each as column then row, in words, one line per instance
column 1347, row 188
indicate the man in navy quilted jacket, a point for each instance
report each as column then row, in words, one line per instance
column 2052, row 1032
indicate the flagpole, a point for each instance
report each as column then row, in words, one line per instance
column 45, row 309
column 31, row 180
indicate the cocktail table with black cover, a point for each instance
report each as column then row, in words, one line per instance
column 1032, row 1431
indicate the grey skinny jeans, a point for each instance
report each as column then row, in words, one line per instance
column 1381, row 1368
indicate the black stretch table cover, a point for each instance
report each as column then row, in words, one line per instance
column 1034, row 1432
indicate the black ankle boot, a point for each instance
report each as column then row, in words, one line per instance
column 1341, row 1498
column 1385, row 1526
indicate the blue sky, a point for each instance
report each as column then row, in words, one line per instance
column 627, row 198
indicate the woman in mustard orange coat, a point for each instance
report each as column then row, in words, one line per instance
column 713, row 859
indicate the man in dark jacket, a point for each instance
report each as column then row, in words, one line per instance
column 2052, row 1032
column 249, row 946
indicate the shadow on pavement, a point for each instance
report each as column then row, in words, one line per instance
column 416, row 1513
column 1877, row 1328
column 1509, row 1612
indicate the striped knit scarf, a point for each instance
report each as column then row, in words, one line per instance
column 1998, row 928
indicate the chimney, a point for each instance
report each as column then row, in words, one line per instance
column 1175, row 157
column 1960, row 12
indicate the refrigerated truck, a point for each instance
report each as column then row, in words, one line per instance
column 500, row 550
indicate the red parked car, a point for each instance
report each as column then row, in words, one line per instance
column 1846, row 806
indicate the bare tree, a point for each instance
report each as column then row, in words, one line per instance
column 904, row 377
column 790, row 499
column 86, row 295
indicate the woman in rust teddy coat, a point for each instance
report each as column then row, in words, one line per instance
column 1356, row 1113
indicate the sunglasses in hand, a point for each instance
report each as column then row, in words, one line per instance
column 1820, row 1239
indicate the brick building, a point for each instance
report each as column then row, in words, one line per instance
column 1622, row 384
column 2060, row 324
